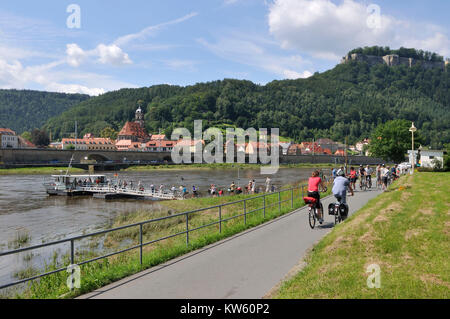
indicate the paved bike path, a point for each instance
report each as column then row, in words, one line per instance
column 246, row 265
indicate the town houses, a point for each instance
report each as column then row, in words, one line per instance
column 134, row 137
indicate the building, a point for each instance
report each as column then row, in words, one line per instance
column 428, row 158
column 191, row 144
column 134, row 131
column 294, row 149
column 8, row 138
column 158, row 137
column 159, row 146
column 360, row 145
column 88, row 142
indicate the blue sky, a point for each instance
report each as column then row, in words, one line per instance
column 140, row 43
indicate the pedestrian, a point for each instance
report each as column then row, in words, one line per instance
column 267, row 184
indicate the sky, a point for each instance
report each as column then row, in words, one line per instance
column 93, row 47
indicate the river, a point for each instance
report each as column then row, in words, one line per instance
column 26, row 208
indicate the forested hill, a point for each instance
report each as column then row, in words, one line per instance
column 349, row 100
column 23, row 110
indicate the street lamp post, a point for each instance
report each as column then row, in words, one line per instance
column 412, row 130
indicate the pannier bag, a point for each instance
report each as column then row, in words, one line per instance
column 344, row 210
column 331, row 209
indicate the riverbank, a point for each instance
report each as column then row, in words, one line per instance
column 103, row 272
column 223, row 166
column 404, row 231
column 39, row 170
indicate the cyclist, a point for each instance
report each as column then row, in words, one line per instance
column 353, row 176
column 369, row 172
column 313, row 191
column 340, row 188
column 362, row 173
column 384, row 176
column 378, row 172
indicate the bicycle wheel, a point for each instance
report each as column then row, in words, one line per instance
column 312, row 219
column 336, row 216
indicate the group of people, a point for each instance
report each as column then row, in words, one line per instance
column 343, row 181
column 249, row 188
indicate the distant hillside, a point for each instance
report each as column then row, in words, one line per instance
column 25, row 110
column 348, row 101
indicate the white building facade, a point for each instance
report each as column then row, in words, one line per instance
column 9, row 138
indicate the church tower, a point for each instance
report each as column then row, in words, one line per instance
column 139, row 118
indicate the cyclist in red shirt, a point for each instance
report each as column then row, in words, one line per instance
column 353, row 177
column 313, row 191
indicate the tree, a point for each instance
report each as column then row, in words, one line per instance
column 40, row 138
column 26, row 135
column 108, row 132
column 391, row 140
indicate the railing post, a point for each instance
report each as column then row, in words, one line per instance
column 279, row 201
column 264, row 198
column 220, row 219
column 187, row 229
column 140, row 242
column 245, row 212
column 72, row 260
column 72, row 253
column 292, row 198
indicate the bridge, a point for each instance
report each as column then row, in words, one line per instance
column 106, row 160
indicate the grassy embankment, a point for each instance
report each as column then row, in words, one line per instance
column 224, row 166
column 405, row 231
column 38, row 170
column 97, row 274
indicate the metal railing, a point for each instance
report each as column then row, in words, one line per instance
column 142, row 244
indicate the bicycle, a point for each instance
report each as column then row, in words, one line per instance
column 369, row 181
column 313, row 211
column 363, row 183
column 339, row 210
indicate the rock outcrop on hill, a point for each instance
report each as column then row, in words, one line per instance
column 393, row 60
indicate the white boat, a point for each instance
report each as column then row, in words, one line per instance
column 70, row 185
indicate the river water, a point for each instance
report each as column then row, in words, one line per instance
column 26, row 208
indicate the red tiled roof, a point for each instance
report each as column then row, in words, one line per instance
column 133, row 129
column 88, row 141
column 7, row 131
column 158, row 137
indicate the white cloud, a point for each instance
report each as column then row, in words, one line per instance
column 151, row 30
column 112, row 54
column 328, row 30
column 51, row 77
column 75, row 55
column 105, row 54
column 73, row 88
column 245, row 51
column 178, row 64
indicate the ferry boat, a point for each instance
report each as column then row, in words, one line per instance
column 71, row 185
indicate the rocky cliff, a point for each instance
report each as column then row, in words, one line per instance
column 393, row 60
